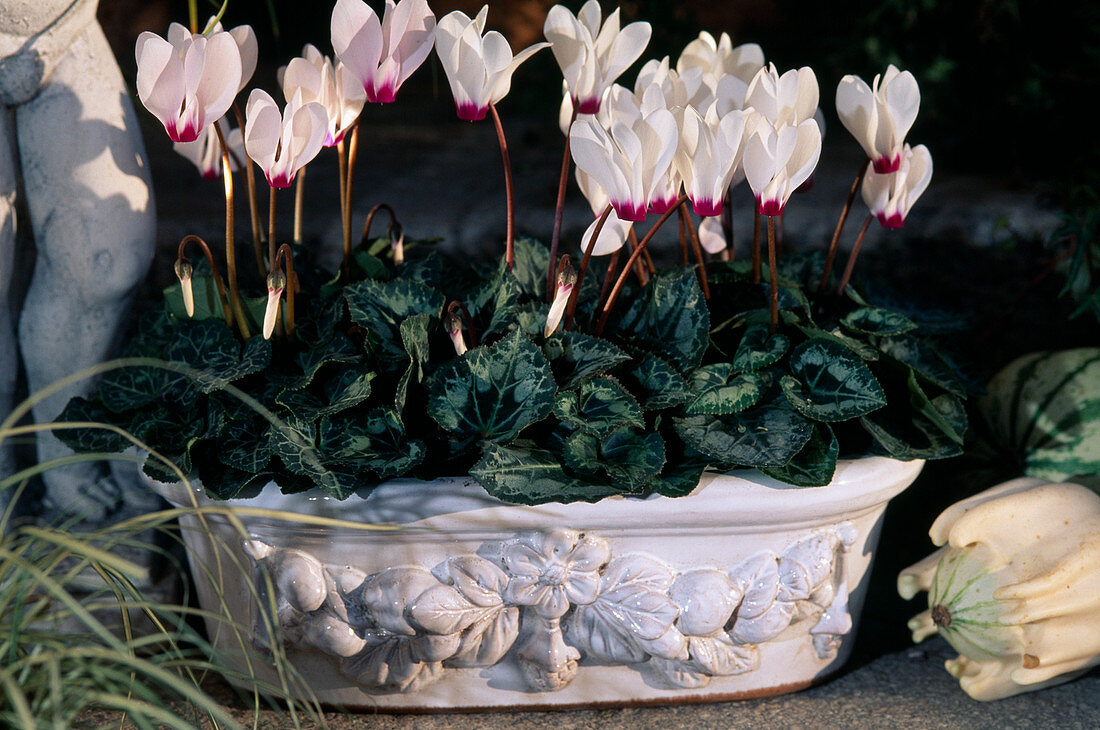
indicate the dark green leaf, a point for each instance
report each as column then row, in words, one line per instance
column 493, row 392
column 89, row 440
column 670, row 317
column 764, row 435
column 425, row 270
column 529, row 268
column 718, row 392
column 814, row 465
column 255, row 356
column 599, row 405
column 628, row 459
column 532, row 476
column 205, row 292
column 684, row 467
column 575, row 356
column 830, row 383
column 926, row 360
column 660, row 384
column 876, row 321
column 945, row 412
column 495, row 304
column 381, row 306
column 376, row 443
column 338, row 350
column 759, row 348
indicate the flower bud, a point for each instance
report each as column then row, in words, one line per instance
column 276, row 283
column 567, row 279
column 1015, row 589
column 183, row 273
column 452, row 322
column 398, row 246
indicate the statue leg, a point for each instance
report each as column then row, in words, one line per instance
column 9, row 352
column 87, row 185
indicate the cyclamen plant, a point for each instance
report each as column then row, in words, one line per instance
column 544, row 379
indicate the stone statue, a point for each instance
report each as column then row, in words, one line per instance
column 77, row 230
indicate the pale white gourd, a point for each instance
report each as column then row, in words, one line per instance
column 1015, row 587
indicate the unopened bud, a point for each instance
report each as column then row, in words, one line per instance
column 183, row 273
column 398, row 245
column 276, row 283
column 567, row 279
column 453, row 324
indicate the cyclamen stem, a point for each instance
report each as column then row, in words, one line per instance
column 694, row 234
column 227, row 312
column 271, row 228
column 230, row 250
column 353, row 152
column 612, row 267
column 773, row 275
column 683, row 239
column 510, row 240
column 299, row 195
column 559, row 212
column 831, row 255
column 646, row 264
column 571, row 307
column 756, row 247
column 342, row 156
column 363, row 240
column 852, row 256
column 284, row 257
column 727, row 225
column 639, row 266
column 253, row 202
column 610, row 303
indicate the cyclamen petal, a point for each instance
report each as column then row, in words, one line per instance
column 282, row 144
column 711, row 236
column 890, row 196
column 187, row 81
column 382, row 54
column 879, row 117
column 777, row 162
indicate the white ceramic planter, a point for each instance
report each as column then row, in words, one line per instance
column 745, row 588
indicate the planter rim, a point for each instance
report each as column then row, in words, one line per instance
column 742, row 497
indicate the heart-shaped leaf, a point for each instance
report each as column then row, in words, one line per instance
column 719, row 395
column 575, row 356
column 814, row 465
column 532, row 476
column 381, row 306
column 670, row 318
column 599, row 406
column 830, row 383
column 877, row 321
column 628, row 459
column 759, row 348
column 769, row 434
column 659, row 383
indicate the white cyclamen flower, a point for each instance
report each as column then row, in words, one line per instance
column 282, row 144
column 784, row 100
column 382, row 54
column 591, row 57
column 187, row 81
column 778, row 161
column 891, row 195
column 709, row 153
column 879, row 116
column 630, row 162
column 333, row 87
column 720, row 58
column 479, row 65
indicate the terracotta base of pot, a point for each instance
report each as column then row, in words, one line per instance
column 745, row 588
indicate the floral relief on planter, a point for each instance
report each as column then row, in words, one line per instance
column 549, row 600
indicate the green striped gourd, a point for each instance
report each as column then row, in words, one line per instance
column 1044, row 410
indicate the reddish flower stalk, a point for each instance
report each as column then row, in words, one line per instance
column 639, row 266
column 694, row 235
column 299, row 196
column 218, row 281
column 253, row 202
column 852, row 256
column 610, row 303
column 559, row 212
column 284, row 257
column 612, row 266
column 773, row 275
column 509, row 243
column 683, row 239
column 831, row 255
column 363, row 240
column 353, row 152
column 572, row 306
column 646, row 258
column 727, row 225
column 230, row 250
column 756, row 247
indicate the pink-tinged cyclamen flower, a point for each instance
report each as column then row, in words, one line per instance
column 890, row 195
column 879, row 116
column 333, row 87
column 784, row 100
column 479, row 65
column 709, row 153
column 382, row 54
column 778, row 161
column 205, row 153
column 694, row 87
column 591, row 57
column 187, row 81
column 282, row 144
column 711, row 236
column 630, row 162
column 246, row 44
column 721, row 58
